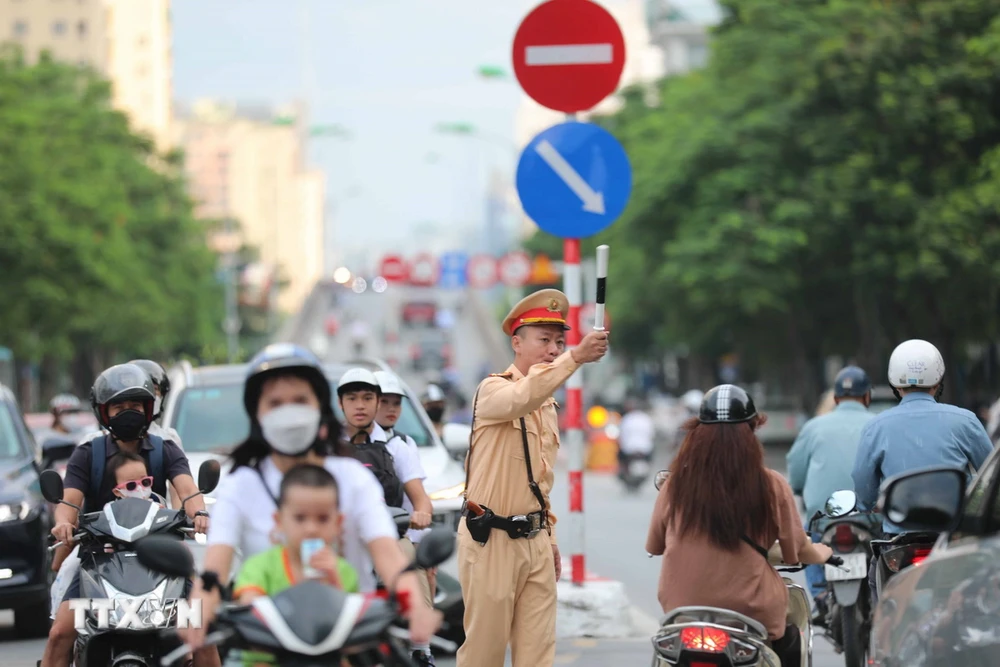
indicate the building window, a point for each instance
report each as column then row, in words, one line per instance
column 20, row 28
column 81, row 28
column 59, row 28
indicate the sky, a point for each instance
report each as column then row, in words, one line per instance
column 386, row 70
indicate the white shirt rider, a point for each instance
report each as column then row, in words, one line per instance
column 637, row 433
column 406, row 461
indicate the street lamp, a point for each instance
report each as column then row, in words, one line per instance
column 465, row 129
column 492, row 72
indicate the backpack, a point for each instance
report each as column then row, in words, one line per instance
column 99, row 462
column 376, row 457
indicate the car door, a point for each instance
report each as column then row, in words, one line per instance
column 919, row 618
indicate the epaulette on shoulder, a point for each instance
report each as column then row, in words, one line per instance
column 505, row 375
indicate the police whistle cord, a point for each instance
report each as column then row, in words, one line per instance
column 602, row 284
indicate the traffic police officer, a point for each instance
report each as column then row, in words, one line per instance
column 508, row 560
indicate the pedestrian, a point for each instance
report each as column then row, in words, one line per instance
column 508, row 558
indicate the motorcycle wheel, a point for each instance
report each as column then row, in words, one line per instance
column 852, row 637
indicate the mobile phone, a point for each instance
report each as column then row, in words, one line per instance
column 308, row 548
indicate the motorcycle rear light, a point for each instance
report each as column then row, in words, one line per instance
column 844, row 538
column 903, row 557
column 707, row 640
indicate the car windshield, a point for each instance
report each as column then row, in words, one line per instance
column 210, row 419
column 10, row 444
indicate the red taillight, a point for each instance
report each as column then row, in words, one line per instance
column 919, row 556
column 902, row 557
column 708, row 640
column 844, row 538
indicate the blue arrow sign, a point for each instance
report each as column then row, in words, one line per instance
column 574, row 180
column 453, row 270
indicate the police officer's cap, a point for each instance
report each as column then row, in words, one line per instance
column 285, row 359
column 851, row 381
column 726, row 404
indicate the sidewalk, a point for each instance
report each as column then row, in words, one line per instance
column 593, row 653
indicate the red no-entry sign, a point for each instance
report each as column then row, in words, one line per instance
column 569, row 54
column 394, row 269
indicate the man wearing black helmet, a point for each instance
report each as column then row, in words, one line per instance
column 822, row 457
column 122, row 397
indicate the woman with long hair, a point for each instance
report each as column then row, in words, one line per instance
column 288, row 400
column 718, row 513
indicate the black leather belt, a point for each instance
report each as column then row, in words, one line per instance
column 518, row 526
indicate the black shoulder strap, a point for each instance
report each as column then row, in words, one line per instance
column 156, row 458
column 756, row 547
column 468, row 455
column 98, row 461
column 263, row 483
column 531, row 478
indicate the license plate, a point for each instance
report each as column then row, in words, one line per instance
column 855, row 567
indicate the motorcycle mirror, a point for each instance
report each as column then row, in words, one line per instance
column 925, row 500
column 52, row 488
column 841, row 503
column 660, row 478
column 165, row 555
column 435, row 548
column 208, row 475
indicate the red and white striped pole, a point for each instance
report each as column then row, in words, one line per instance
column 573, row 287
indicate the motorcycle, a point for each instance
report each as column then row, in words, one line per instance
column 110, row 570
column 848, row 602
column 360, row 628
column 899, row 553
column 447, row 598
column 633, row 470
column 697, row 636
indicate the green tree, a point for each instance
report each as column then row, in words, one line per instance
column 101, row 258
column 828, row 185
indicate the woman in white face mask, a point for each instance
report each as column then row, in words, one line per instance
column 288, row 399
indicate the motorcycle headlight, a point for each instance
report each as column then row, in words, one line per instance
column 15, row 511
column 153, row 612
column 450, row 493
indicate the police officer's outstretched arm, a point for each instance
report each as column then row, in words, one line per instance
column 867, row 467
column 502, row 400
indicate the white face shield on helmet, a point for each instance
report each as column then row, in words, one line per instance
column 915, row 364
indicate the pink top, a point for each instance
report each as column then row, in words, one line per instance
column 695, row 572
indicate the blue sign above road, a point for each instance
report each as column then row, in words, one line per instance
column 453, row 273
column 574, row 180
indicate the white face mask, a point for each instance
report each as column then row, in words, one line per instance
column 141, row 493
column 291, row 429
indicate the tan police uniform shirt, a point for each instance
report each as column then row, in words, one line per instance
column 498, row 478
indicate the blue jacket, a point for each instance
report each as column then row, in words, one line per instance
column 821, row 460
column 917, row 433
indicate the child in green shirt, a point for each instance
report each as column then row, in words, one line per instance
column 307, row 510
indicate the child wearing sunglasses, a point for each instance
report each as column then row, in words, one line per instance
column 132, row 480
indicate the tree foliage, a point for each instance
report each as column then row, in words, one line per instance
column 101, row 257
column 829, row 184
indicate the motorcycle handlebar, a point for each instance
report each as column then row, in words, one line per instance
column 76, row 538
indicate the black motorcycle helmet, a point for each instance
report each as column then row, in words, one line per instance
column 726, row 404
column 851, row 381
column 124, row 382
column 158, row 375
column 286, row 359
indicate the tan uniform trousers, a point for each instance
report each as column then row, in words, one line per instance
column 410, row 550
column 509, row 588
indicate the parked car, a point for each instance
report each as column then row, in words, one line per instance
column 945, row 608
column 25, row 521
column 205, row 406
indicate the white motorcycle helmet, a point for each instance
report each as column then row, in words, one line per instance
column 358, row 376
column 916, row 364
column 692, row 400
column 389, row 384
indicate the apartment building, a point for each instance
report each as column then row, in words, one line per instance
column 129, row 41
column 248, row 163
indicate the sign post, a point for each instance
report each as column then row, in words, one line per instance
column 573, row 179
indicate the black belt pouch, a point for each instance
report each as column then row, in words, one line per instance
column 480, row 526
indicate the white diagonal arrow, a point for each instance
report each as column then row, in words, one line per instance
column 593, row 202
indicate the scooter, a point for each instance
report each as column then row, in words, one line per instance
column 633, row 471
column 144, row 600
column 697, row 636
column 848, row 602
column 340, row 625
